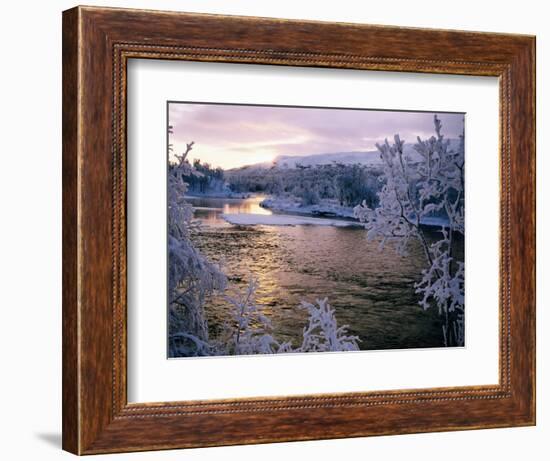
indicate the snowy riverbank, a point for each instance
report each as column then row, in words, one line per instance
column 220, row 194
column 331, row 209
column 327, row 209
column 250, row 219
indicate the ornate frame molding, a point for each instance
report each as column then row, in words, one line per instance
column 97, row 44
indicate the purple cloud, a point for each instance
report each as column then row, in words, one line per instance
column 236, row 135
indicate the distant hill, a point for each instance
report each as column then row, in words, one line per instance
column 291, row 161
column 371, row 157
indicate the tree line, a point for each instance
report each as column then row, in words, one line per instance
column 348, row 184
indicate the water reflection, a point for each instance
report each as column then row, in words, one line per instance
column 372, row 291
column 209, row 210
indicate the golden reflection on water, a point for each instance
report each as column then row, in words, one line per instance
column 208, row 210
column 372, row 291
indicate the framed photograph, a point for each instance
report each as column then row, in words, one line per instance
column 280, row 230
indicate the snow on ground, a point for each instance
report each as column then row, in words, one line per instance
column 325, row 208
column 330, row 209
column 250, row 219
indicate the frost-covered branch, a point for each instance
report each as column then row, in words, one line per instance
column 191, row 277
column 249, row 331
column 322, row 333
column 183, row 157
column 411, row 192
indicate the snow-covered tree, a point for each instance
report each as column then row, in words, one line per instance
column 412, row 191
column 249, row 330
column 191, row 277
column 322, row 333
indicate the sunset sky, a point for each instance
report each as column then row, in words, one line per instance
column 230, row 136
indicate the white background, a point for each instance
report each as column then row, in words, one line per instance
column 30, row 239
column 153, row 378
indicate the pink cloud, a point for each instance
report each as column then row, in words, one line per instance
column 226, row 135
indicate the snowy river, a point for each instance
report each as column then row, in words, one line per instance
column 371, row 290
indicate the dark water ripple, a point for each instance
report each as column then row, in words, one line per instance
column 372, row 291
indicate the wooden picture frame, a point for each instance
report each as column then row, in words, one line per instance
column 97, row 43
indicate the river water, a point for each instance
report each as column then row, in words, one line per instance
column 371, row 290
